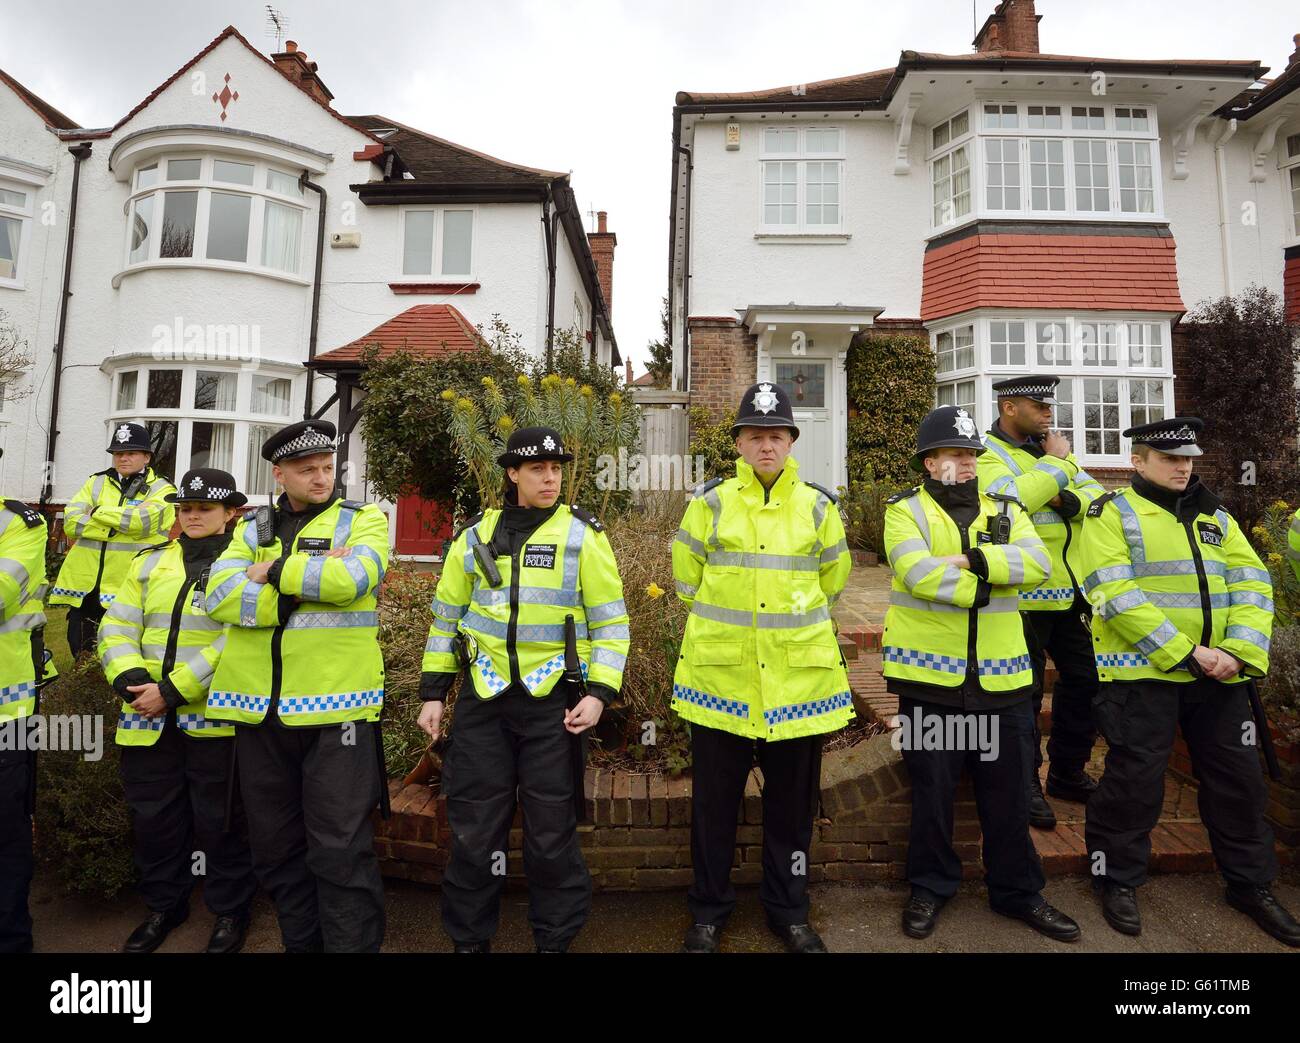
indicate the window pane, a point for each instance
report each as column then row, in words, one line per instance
column 960, row 182
column 964, row 337
column 1047, row 174
column 804, row 382
column 214, row 389
column 228, row 227
column 821, row 141
column 258, row 479
column 141, row 230
column 940, row 135
column 10, row 197
column 272, row 395
column 11, row 234
column 1295, row 199
column 780, row 190
column 281, row 237
column 1101, row 416
column 822, row 193
column 164, row 389
column 1293, row 145
column 1007, row 343
column 1053, row 344
column 183, row 169
column 285, row 184
column 212, row 445
column 960, row 394
column 780, row 141
column 1091, row 176
column 1097, row 344
column 1084, row 117
column 1146, row 401
column 960, row 124
column 1044, row 117
column 179, row 209
column 457, row 229
column 943, row 353
column 146, row 176
column 1003, row 174
column 231, row 172
column 417, row 246
column 162, row 436
column 126, row 388
column 1136, row 192
column 1063, row 411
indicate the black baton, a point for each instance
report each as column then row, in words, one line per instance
column 1261, row 726
column 385, row 807
column 576, row 687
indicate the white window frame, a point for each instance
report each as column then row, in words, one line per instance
column 205, row 186
column 1023, row 134
column 1075, row 370
column 23, row 215
column 952, row 145
column 1289, row 165
column 435, row 260
column 186, row 414
column 801, row 157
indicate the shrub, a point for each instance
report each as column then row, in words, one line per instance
column 713, row 443
column 1280, row 691
column 890, row 389
column 1269, row 537
column 863, row 506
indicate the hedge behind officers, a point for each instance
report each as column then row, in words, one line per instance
column 760, row 559
column 512, row 579
column 954, row 647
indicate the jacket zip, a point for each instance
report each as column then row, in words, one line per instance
column 512, row 628
column 972, row 641
column 174, row 633
column 103, row 545
column 1203, row 583
column 1065, row 557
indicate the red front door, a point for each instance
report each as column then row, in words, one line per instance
column 422, row 525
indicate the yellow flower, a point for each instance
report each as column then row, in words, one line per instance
column 570, row 382
column 1275, row 558
column 615, row 398
column 448, row 395
column 522, row 380
column 586, row 390
column 654, row 590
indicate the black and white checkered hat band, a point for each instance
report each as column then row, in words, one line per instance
column 1183, row 435
column 308, row 441
column 1026, row 390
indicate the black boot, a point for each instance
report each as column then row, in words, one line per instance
column 1070, row 784
column 1041, row 815
column 1119, row 906
column 702, row 937
column 228, row 933
column 798, row 937
column 1262, row 906
column 153, row 932
column 920, row 915
column 1047, row 920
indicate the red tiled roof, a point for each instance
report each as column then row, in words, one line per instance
column 1076, row 272
column 426, row 330
column 47, row 112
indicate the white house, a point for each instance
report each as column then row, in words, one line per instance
column 182, row 266
column 1022, row 210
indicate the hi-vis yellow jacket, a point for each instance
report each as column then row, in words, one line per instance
column 311, row 646
column 110, row 530
column 22, row 586
column 566, row 567
column 1293, row 545
column 932, row 618
column 1160, row 586
column 158, row 623
column 1014, row 471
column 760, row 570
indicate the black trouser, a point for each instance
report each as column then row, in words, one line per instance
column 1012, row 870
column 15, row 850
column 83, row 624
column 308, row 794
column 176, row 790
column 1139, row 721
column 1066, row 636
column 512, row 743
column 720, row 764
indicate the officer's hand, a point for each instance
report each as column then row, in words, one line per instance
column 338, row 552
column 430, row 719
column 1210, row 661
column 1055, row 501
column 148, row 701
column 960, row 560
column 584, row 715
column 1229, row 666
column 1056, row 444
column 258, row 570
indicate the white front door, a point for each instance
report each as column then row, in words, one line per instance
column 808, row 382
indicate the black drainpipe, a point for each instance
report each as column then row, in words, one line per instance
column 79, row 153
column 315, row 288
column 552, row 227
column 686, row 275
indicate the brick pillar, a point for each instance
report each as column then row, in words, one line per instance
column 602, row 243
column 724, row 362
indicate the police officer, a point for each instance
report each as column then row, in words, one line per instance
column 119, row 512
column 955, row 654
column 22, row 586
column 1033, row 463
column 1183, row 621
column 1293, row 545
column 760, row 559
column 510, row 579
column 302, row 677
column 159, row 648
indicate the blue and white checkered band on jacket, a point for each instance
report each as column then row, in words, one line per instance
column 308, row 440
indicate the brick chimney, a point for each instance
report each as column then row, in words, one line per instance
column 294, row 64
column 1295, row 55
column 602, row 243
column 1013, row 26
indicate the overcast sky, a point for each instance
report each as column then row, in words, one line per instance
column 583, row 85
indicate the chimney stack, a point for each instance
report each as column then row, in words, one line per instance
column 1295, row 55
column 1013, row 26
column 602, row 242
column 628, row 370
column 295, row 66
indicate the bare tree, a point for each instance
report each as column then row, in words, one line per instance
column 15, row 360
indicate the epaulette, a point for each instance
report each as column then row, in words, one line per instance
column 1005, row 498
column 824, row 491
column 1099, row 504
column 904, row 494
column 587, row 518
column 30, row 515
column 468, row 524
column 704, row 487
column 352, row 505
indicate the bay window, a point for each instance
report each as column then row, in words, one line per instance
column 1291, row 172
column 438, row 242
column 950, row 178
column 1115, row 372
column 802, row 178
column 234, row 212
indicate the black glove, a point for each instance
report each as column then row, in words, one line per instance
column 136, row 675
column 435, row 687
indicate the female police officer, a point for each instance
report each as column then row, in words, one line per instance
column 159, row 649
column 511, row 578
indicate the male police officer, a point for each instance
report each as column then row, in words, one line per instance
column 511, row 578
column 297, row 586
column 760, row 559
column 1184, row 616
column 119, row 512
column 956, row 657
column 22, row 586
column 1033, row 463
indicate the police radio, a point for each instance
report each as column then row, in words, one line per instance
column 1001, row 528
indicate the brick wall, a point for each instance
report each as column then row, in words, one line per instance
column 724, row 362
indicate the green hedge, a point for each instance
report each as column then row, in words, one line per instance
column 891, row 388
